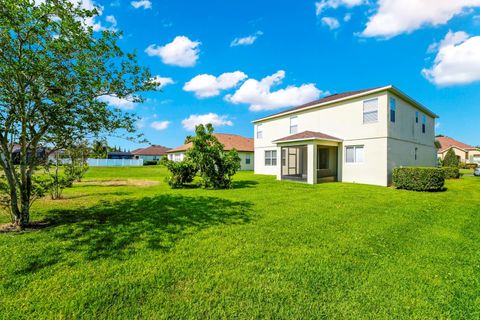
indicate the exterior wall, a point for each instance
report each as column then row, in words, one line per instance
column 458, row 152
column 243, row 163
column 149, row 158
column 373, row 169
column 474, row 156
column 344, row 120
column 179, row 156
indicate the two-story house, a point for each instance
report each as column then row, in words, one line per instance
column 357, row 136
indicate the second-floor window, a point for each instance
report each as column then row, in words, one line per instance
column 293, row 125
column 424, row 123
column 416, row 116
column 370, row 111
column 259, row 131
column 271, row 157
column 393, row 109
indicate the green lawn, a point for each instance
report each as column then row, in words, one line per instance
column 266, row 249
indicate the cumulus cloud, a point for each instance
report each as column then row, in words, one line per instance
column 121, row 103
column 213, row 118
column 394, row 17
column 145, row 4
column 206, row 85
column 162, row 81
column 246, row 41
column 259, row 96
column 320, row 6
column 160, row 125
column 330, row 22
column 457, row 60
column 181, row 52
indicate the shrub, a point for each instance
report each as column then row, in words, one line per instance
column 419, row 178
column 150, row 163
column 451, row 172
column 450, row 159
column 216, row 167
column 182, row 172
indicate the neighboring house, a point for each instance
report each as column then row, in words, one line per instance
column 120, row 155
column 464, row 152
column 243, row 145
column 152, row 153
column 357, row 136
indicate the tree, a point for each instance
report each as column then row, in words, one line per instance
column 216, row 167
column 55, row 77
column 450, row 159
column 100, row 149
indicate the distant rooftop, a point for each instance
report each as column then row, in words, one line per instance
column 230, row 141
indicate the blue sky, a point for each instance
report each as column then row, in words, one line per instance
column 303, row 50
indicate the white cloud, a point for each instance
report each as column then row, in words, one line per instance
column 457, row 60
column 320, row 6
column 141, row 123
column 120, row 103
column 394, row 17
column 206, row 85
column 160, row 125
column 145, row 4
column 260, row 97
column 213, row 118
column 246, row 41
column 331, row 23
column 162, row 81
column 181, row 52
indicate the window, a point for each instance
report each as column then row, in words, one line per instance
column 416, row 116
column 354, row 154
column 416, row 149
column 393, row 109
column 370, row 111
column 293, row 125
column 271, row 157
column 259, row 131
column 178, row 157
column 247, row 158
column 424, row 123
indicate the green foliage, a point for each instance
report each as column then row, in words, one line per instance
column 54, row 183
column 76, row 171
column 471, row 166
column 216, row 167
column 450, row 159
column 451, row 172
column 181, row 173
column 419, row 178
column 55, row 72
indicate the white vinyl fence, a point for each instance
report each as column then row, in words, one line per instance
column 115, row 162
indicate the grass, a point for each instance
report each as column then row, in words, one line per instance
column 265, row 249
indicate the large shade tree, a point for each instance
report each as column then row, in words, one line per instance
column 55, row 73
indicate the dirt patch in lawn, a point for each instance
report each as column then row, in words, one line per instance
column 121, row 183
column 36, row 225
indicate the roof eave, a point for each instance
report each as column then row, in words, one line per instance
column 385, row 88
column 306, row 139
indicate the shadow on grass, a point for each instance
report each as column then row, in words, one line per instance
column 244, row 184
column 117, row 229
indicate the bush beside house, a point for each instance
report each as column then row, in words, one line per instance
column 419, row 178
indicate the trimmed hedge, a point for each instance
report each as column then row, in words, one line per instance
column 419, row 178
column 451, row 172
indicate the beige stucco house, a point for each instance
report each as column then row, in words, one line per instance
column 465, row 153
column 243, row 145
column 357, row 136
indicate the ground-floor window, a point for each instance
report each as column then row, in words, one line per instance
column 354, row 154
column 247, row 159
column 270, row 157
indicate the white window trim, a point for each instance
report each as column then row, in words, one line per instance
column 259, row 134
column 293, row 126
column 270, row 158
column 355, row 154
column 368, row 112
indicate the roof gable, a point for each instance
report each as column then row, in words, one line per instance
column 447, row 143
